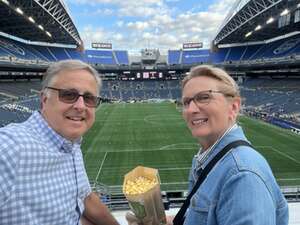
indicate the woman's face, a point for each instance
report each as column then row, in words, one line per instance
column 207, row 112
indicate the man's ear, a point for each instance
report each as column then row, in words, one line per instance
column 43, row 98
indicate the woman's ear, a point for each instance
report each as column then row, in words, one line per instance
column 235, row 106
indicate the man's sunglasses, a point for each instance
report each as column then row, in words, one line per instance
column 71, row 96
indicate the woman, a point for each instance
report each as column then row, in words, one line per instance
column 240, row 188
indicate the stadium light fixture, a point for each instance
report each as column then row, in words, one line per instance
column 257, row 28
column 31, row 19
column 20, row 11
column 298, row 6
column 284, row 12
column 5, row 1
column 248, row 34
column 270, row 20
column 41, row 27
column 50, row 35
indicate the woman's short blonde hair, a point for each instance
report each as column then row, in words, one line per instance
column 228, row 85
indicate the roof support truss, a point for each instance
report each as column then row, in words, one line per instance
column 60, row 15
column 252, row 9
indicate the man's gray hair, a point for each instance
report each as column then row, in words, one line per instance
column 68, row 65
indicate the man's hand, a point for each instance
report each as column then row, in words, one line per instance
column 132, row 219
column 96, row 212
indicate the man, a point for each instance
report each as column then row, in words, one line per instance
column 42, row 176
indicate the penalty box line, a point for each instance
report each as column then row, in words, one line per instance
column 100, row 168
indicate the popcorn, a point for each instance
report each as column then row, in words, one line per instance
column 139, row 185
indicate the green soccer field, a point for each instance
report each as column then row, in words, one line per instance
column 155, row 135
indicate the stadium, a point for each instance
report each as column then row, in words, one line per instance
column 139, row 121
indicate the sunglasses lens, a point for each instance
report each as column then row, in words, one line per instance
column 90, row 100
column 71, row 96
column 68, row 96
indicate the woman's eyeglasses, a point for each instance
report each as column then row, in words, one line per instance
column 71, row 96
column 202, row 98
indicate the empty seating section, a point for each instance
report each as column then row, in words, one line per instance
column 22, row 88
column 174, row 57
column 45, row 51
column 59, row 53
column 219, row 56
column 281, row 48
column 74, row 54
column 272, row 95
column 16, row 49
column 195, row 56
column 140, row 90
column 122, row 57
column 290, row 46
column 250, row 51
column 235, row 53
column 100, row 57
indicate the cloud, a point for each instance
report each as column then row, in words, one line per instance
column 155, row 24
column 138, row 26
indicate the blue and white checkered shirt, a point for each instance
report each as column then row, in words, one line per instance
column 42, row 176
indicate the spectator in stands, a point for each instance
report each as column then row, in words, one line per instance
column 240, row 189
column 42, row 177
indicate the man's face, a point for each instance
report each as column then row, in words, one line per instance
column 70, row 120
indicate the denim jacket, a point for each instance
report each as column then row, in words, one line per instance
column 239, row 190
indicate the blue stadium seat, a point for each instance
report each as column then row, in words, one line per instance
column 174, row 57
column 122, row 57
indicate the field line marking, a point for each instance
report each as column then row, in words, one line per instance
column 149, row 150
column 100, row 168
column 179, row 144
column 174, row 168
column 285, row 155
column 160, row 169
column 147, row 119
column 283, row 179
column 167, row 183
column 170, row 183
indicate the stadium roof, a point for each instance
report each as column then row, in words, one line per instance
column 247, row 21
column 38, row 20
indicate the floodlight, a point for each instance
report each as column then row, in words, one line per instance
column 5, row 1
column 50, row 35
column 41, row 27
column 20, row 11
column 248, row 34
column 31, row 19
column 284, row 12
column 270, row 20
column 257, row 28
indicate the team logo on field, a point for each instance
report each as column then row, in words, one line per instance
column 286, row 46
column 12, row 47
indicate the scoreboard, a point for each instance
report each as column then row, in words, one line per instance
column 148, row 75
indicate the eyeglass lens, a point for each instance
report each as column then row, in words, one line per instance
column 199, row 99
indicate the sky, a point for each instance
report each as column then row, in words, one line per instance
column 138, row 24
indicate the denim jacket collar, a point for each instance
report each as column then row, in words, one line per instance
column 233, row 135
